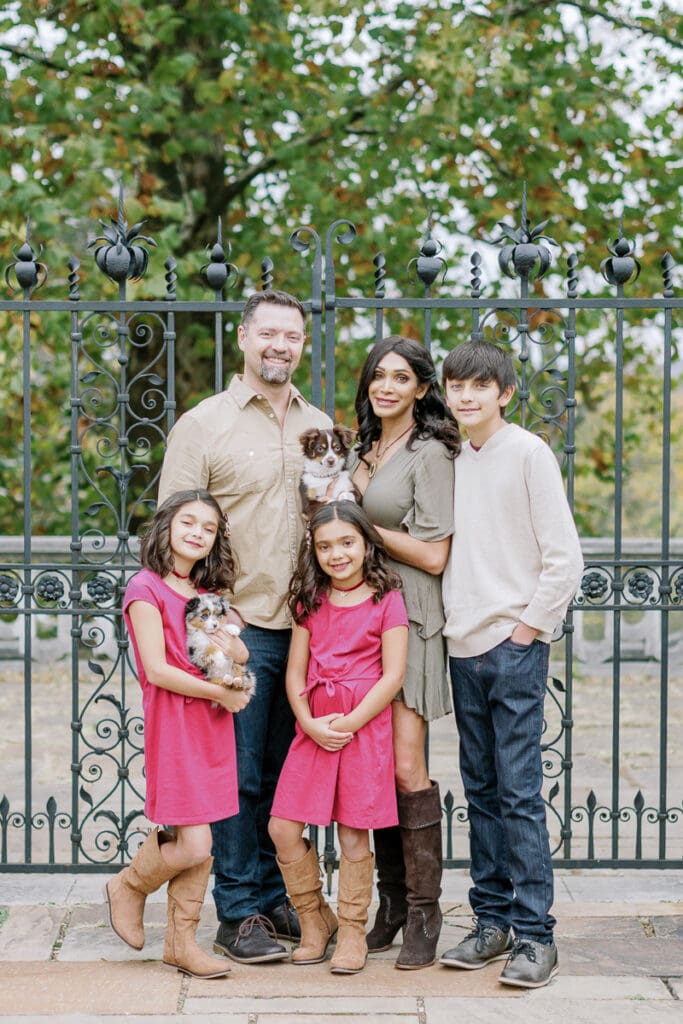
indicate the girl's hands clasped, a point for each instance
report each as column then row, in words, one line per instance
column 321, row 730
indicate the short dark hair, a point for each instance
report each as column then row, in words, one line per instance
column 481, row 361
column 273, row 298
column 215, row 572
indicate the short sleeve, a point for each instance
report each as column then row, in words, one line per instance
column 430, row 516
column 141, row 588
column 186, row 462
column 394, row 611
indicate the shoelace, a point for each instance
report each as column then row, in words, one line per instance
column 256, row 921
column 523, row 949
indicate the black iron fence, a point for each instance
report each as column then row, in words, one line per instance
column 71, row 794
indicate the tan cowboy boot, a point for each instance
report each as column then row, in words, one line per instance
column 355, row 893
column 185, row 900
column 318, row 923
column 126, row 892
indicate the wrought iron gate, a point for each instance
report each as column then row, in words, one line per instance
column 72, row 785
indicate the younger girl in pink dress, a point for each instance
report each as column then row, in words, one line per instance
column 190, row 762
column 346, row 664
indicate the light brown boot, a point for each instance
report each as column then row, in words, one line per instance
column 185, row 900
column 318, row 923
column 126, row 892
column 355, row 893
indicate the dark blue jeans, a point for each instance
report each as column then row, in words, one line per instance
column 248, row 880
column 498, row 700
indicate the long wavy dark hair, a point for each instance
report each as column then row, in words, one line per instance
column 215, row 572
column 309, row 583
column 433, row 418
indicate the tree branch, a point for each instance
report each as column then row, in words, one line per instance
column 34, row 57
column 592, row 11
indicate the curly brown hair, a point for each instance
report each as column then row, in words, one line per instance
column 309, row 583
column 215, row 572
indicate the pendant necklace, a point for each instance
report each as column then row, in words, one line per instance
column 372, row 466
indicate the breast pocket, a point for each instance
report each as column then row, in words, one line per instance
column 251, row 471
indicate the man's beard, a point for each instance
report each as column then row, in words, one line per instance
column 275, row 374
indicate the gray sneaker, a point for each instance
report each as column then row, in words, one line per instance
column 531, row 964
column 484, row 943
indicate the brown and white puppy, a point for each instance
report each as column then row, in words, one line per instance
column 204, row 616
column 325, row 477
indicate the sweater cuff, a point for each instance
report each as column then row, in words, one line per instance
column 540, row 618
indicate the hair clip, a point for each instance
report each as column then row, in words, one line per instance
column 226, row 529
column 308, row 536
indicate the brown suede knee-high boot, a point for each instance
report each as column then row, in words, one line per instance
column 127, row 891
column 355, row 893
column 391, row 887
column 318, row 924
column 185, row 900
column 419, row 815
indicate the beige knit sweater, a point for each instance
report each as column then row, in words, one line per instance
column 515, row 554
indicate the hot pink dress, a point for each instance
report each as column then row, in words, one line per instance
column 354, row 786
column 190, row 759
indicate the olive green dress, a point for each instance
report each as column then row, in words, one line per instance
column 413, row 491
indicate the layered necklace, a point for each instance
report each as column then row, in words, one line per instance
column 381, row 452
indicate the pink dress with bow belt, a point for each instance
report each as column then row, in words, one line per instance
column 354, row 786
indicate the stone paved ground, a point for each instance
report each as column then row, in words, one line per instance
column 620, row 938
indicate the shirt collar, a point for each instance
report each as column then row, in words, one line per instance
column 243, row 394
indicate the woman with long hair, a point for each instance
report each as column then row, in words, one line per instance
column 403, row 467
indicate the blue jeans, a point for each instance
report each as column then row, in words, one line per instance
column 248, row 880
column 498, row 701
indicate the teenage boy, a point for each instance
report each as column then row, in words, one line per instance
column 514, row 565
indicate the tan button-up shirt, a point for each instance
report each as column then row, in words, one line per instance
column 232, row 445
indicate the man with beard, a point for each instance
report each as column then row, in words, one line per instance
column 243, row 446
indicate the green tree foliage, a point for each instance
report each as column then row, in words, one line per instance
column 272, row 115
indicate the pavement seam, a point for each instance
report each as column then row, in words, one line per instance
column 183, row 993
column 670, row 988
column 61, row 935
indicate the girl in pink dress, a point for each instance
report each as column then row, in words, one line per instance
column 346, row 664
column 190, row 762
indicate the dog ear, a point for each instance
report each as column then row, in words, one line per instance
column 225, row 606
column 308, row 436
column 191, row 606
column 345, row 434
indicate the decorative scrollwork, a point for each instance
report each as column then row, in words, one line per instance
column 619, row 267
column 118, row 250
column 640, row 584
column 528, row 256
column 49, row 589
column 9, row 589
column 429, row 264
column 596, row 585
